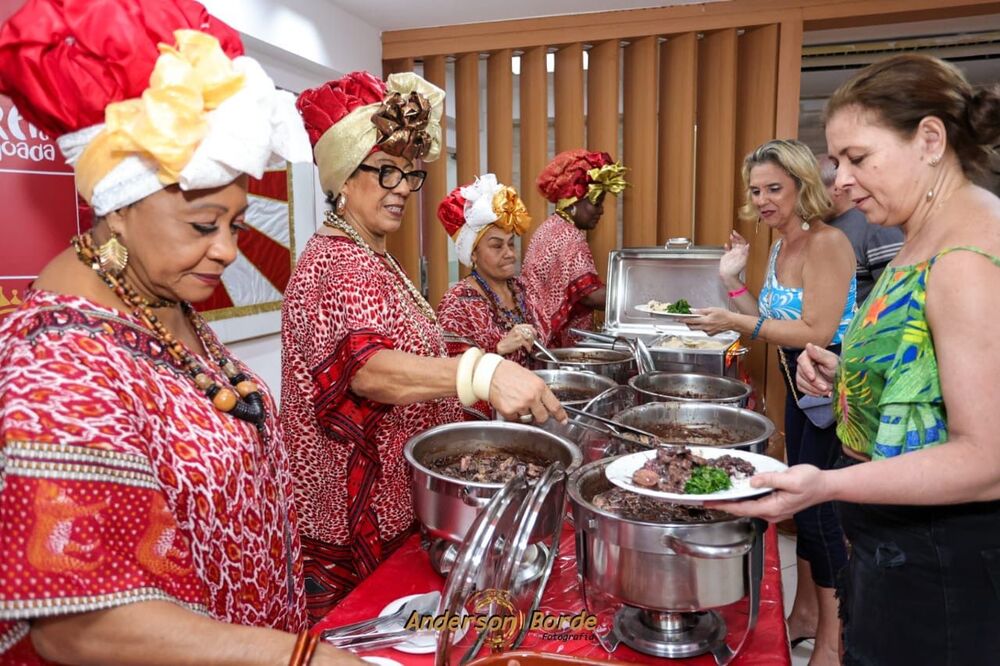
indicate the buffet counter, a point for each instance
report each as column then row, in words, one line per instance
column 408, row 571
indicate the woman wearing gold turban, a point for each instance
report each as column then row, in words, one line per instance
column 365, row 366
column 490, row 306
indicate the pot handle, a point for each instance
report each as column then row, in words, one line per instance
column 707, row 551
column 470, row 500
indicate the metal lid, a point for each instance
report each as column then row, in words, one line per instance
column 642, row 274
column 487, row 575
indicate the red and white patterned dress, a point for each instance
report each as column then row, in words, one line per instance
column 465, row 311
column 559, row 272
column 352, row 482
column 121, row 482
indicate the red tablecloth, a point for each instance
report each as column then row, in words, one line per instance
column 408, row 571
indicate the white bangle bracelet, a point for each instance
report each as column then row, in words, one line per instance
column 483, row 377
column 463, row 378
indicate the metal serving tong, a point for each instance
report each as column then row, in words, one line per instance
column 372, row 628
column 545, row 352
column 643, row 357
column 626, row 432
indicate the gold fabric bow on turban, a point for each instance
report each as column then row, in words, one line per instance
column 608, row 179
column 168, row 122
column 512, row 216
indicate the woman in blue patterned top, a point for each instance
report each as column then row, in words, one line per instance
column 807, row 297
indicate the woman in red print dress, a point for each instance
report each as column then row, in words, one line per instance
column 491, row 306
column 559, row 269
column 364, row 362
column 146, row 497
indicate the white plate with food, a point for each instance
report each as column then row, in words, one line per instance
column 663, row 309
column 692, row 474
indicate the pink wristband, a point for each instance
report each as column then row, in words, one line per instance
column 739, row 292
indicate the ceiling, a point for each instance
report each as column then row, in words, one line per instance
column 402, row 14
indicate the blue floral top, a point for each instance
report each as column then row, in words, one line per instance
column 779, row 302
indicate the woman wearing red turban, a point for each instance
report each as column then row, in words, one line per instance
column 365, row 366
column 559, row 268
column 145, row 494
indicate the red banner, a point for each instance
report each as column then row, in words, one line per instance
column 39, row 198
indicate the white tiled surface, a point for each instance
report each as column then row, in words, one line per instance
column 786, row 549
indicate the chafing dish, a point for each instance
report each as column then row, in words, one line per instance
column 575, row 388
column 614, row 364
column 690, row 387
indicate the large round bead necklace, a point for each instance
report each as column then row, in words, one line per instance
column 245, row 403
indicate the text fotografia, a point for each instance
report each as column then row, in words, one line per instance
column 539, row 621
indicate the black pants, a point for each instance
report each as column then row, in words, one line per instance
column 819, row 537
column 923, row 585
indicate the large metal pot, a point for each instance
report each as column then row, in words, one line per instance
column 658, row 566
column 587, row 384
column 703, row 424
column 446, row 506
column 690, row 387
column 615, row 364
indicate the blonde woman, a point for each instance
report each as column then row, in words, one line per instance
column 808, row 297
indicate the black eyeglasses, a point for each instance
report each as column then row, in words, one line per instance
column 389, row 177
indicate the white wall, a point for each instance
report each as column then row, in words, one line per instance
column 300, row 43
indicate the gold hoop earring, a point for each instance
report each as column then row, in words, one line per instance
column 112, row 255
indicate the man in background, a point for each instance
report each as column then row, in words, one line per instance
column 874, row 245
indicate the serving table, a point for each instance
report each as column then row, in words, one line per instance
column 408, row 571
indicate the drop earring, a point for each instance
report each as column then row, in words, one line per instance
column 112, row 255
column 806, row 226
column 756, row 227
column 930, row 194
column 341, row 204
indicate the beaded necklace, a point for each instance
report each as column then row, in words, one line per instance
column 509, row 317
column 245, row 404
column 404, row 286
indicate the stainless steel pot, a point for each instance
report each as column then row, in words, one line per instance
column 737, row 428
column 615, row 364
column 574, row 380
column 658, row 566
column 690, row 387
column 446, row 506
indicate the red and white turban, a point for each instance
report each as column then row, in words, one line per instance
column 144, row 94
column 468, row 212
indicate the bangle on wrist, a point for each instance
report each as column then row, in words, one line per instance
column 463, row 377
column 738, row 292
column 483, row 377
column 305, row 647
column 756, row 329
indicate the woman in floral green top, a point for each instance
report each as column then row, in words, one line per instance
column 919, row 488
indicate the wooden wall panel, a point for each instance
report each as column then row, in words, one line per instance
column 467, row 165
column 789, row 79
column 568, row 81
column 678, row 107
column 716, row 150
column 534, row 134
column 617, row 24
column 404, row 244
column 602, row 134
column 500, row 116
column 639, row 125
column 756, row 97
column 434, row 190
